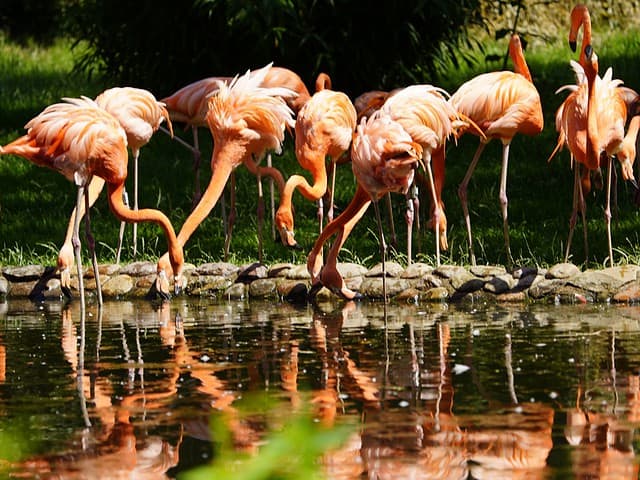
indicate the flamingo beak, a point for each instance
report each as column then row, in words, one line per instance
column 573, row 45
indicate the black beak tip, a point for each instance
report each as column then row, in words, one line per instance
column 573, row 45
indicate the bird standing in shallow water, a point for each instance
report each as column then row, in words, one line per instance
column 140, row 115
column 384, row 158
column 502, row 104
column 79, row 140
column 324, row 127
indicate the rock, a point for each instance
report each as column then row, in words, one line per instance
column 448, row 271
column 409, row 295
column 251, row 272
column 23, row 274
column 372, row 287
column 393, row 269
column 464, row 282
column 512, row 297
column 298, row 272
column 237, row 291
column 623, row 273
column 263, row 288
column 597, row 282
column 436, row 294
column 528, row 271
column 218, row 269
column 487, row 270
column 205, row 285
column 350, row 270
column 430, row 281
column 4, row 286
column 293, row 291
column 500, row 283
column 631, row 294
column 545, row 288
column 139, row 269
column 280, row 269
column 117, row 286
column 104, row 270
column 562, row 270
column 416, row 270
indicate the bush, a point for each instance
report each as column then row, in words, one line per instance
column 163, row 45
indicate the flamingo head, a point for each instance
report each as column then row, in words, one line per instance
column 65, row 264
column 284, row 224
column 169, row 266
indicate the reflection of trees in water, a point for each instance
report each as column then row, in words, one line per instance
column 396, row 375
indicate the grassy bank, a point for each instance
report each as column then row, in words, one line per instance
column 35, row 203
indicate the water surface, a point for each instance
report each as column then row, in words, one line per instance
column 430, row 391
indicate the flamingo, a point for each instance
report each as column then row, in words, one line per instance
column 245, row 120
column 383, row 157
column 606, row 118
column 140, row 115
column 424, row 112
column 189, row 105
column 324, row 127
column 80, row 140
column 501, row 104
column 571, row 125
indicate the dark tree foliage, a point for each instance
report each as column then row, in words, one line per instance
column 36, row 20
column 163, row 45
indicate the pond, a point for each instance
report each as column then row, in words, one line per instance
column 144, row 390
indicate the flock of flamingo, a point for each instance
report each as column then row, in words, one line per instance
column 388, row 136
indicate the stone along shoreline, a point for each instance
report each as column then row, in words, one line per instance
column 562, row 283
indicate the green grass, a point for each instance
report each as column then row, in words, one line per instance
column 35, row 203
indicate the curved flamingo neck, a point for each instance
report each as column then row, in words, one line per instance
column 580, row 18
column 221, row 168
column 323, row 82
column 124, row 213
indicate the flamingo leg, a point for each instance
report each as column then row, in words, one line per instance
column 462, row 195
column 135, row 201
column 125, row 199
column 333, row 189
column 383, row 250
column 260, row 215
column 394, row 238
column 76, row 247
column 607, row 210
column 196, row 166
column 92, row 247
column 341, row 226
column 583, row 211
column 232, row 216
column 272, row 201
column 574, row 211
column 409, row 217
column 435, row 203
column 65, row 257
column 504, row 201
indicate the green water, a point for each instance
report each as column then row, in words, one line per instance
column 430, row 391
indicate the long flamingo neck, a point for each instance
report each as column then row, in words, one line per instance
column 221, row 168
column 125, row 214
column 309, row 191
column 593, row 147
column 355, row 207
column 519, row 62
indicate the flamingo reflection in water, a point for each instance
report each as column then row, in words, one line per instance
column 600, row 429
column 116, row 447
column 427, row 440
